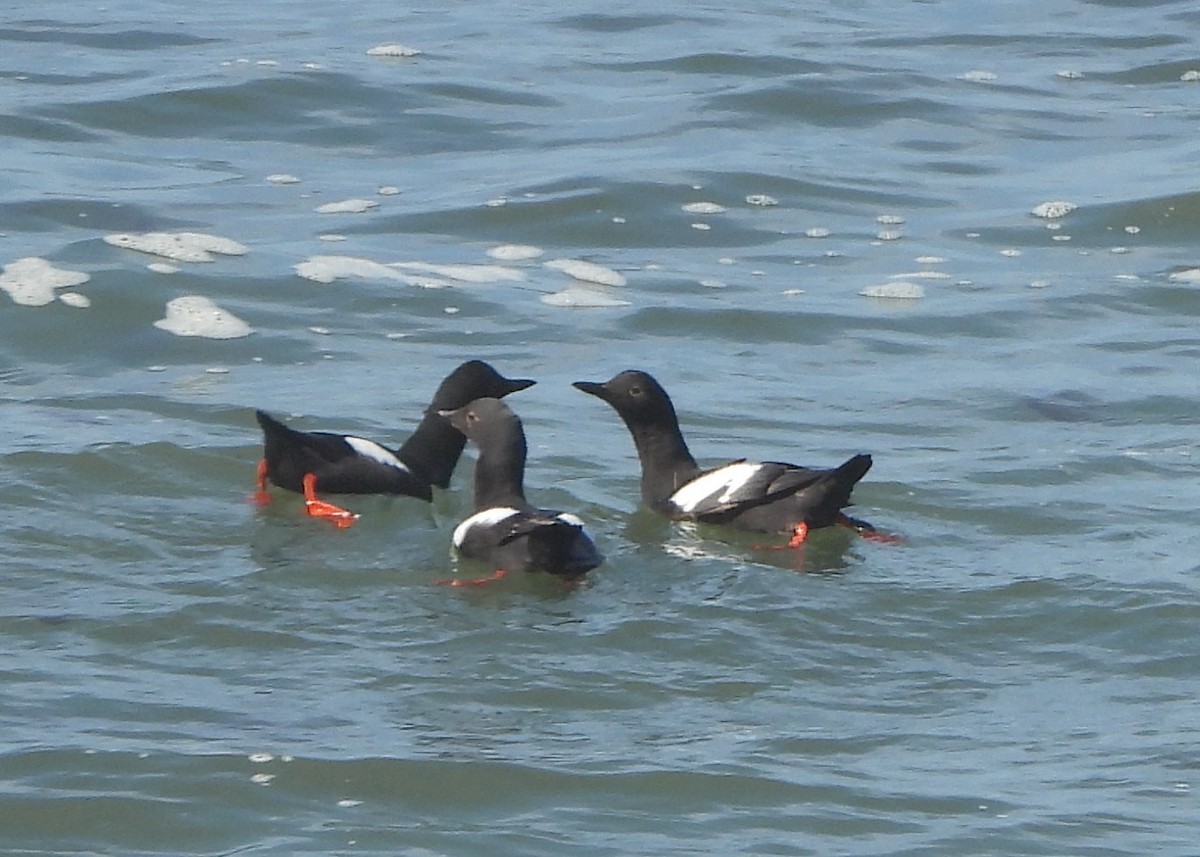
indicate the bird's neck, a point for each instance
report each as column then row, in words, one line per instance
column 500, row 473
column 666, row 461
column 433, row 449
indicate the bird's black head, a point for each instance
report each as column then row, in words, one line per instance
column 472, row 380
column 635, row 395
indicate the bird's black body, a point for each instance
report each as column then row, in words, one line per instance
column 505, row 530
column 345, row 464
column 763, row 496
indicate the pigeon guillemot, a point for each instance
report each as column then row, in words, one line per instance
column 763, row 496
column 505, row 530
column 345, row 464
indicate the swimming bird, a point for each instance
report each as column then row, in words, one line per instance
column 505, row 530
column 762, row 496
column 345, row 464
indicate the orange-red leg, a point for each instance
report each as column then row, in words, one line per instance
column 799, row 534
column 320, row 509
column 261, row 496
column 498, row 574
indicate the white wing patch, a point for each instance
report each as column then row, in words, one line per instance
column 724, row 481
column 370, row 449
column 486, row 518
column 568, row 518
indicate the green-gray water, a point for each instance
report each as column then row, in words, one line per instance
column 184, row 673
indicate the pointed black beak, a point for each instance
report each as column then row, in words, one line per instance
column 592, row 388
column 513, row 385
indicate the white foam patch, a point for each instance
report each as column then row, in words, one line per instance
column 31, row 281
column 347, row 206
column 588, row 272
column 920, row 275
column 703, row 208
column 889, row 219
column 393, row 50
column 464, row 273
column 1190, row 76
column 327, row 269
column 163, row 268
column 817, row 232
column 1069, row 74
column 195, row 315
column 283, row 178
column 584, row 297
column 978, row 76
column 179, row 246
column 1191, row 275
column 515, row 252
column 1053, row 210
column 761, row 199
column 895, row 290
column 74, row 299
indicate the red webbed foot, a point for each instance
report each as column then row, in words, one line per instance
column 799, row 535
column 498, row 574
column 315, row 508
column 260, row 496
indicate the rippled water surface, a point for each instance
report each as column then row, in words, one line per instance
column 184, row 673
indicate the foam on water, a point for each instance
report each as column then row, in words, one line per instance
column 515, row 252
column 393, row 50
column 464, row 273
column 920, row 275
column 74, row 299
column 327, row 269
column 31, row 281
column 703, row 208
column 895, row 290
column 347, row 206
column 1053, row 210
column 180, row 246
column 583, row 296
column 588, row 272
column 195, row 315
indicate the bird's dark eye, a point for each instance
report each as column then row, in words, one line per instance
column 472, row 417
column 636, row 390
